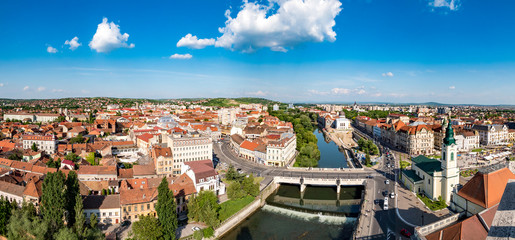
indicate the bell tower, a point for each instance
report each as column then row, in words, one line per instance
column 449, row 160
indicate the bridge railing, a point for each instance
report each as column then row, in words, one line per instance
column 326, row 169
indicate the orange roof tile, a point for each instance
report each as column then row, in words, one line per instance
column 486, row 189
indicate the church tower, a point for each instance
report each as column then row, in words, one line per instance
column 449, row 160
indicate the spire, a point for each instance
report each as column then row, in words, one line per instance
column 449, row 135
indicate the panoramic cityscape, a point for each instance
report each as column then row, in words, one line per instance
column 257, row 119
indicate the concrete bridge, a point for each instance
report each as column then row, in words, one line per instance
column 303, row 182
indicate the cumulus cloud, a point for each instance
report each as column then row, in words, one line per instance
column 181, row 56
column 258, row 93
column 452, row 87
column 26, row 88
column 74, row 43
column 279, row 25
column 1, row 84
column 450, row 4
column 340, row 91
column 108, row 38
column 193, row 42
column 41, row 89
column 51, row 49
column 388, row 74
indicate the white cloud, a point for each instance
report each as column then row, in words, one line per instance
column 388, row 74
column 258, row 93
column 74, row 43
column 84, row 91
column 57, row 90
column 452, row 87
column 340, row 91
column 451, row 4
column 361, row 91
column 51, row 49
column 193, row 42
column 41, row 89
column 279, row 26
column 1, row 84
column 316, row 92
column 108, row 38
column 26, row 88
column 181, row 56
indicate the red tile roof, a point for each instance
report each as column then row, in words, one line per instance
column 486, row 189
column 202, row 169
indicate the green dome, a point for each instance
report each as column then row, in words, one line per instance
column 449, row 135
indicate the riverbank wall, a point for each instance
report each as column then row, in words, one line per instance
column 248, row 210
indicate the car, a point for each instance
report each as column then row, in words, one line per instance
column 392, row 195
column 370, row 176
column 387, row 181
column 195, row 228
column 385, row 203
column 385, row 193
column 405, row 233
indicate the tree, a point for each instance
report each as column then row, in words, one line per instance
column 77, row 139
column 72, row 157
column 93, row 221
column 166, row 209
column 53, row 201
column 204, row 208
column 80, row 219
column 34, row 147
column 234, row 191
column 231, row 173
column 367, row 159
column 5, row 214
column 24, row 224
column 66, row 234
column 72, row 190
column 91, row 158
column 147, row 227
column 249, row 186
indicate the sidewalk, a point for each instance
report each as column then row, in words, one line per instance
column 412, row 210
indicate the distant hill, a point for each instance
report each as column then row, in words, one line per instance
column 232, row 102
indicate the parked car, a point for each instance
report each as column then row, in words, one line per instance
column 195, row 228
column 405, row 233
column 126, row 223
column 385, row 203
column 392, row 195
column 387, row 181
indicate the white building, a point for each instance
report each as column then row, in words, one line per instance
column 107, row 208
column 227, row 116
column 204, row 176
column 46, row 143
column 280, row 153
column 342, row 123
column 467, row 141
column 492, row 134
column 12, row 192
column 190, row 149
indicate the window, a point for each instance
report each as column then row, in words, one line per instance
column 148, row 206
column 452, row 156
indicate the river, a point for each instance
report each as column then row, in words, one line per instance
column 319, row 213
column 330, row 155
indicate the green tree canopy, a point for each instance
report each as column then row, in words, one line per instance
column 166, row 209
column 147, row 228
column 53, row 201
column 204, row 208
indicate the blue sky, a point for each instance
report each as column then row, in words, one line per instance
column 451, row 51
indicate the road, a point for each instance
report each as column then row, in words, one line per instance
column 384, row 225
